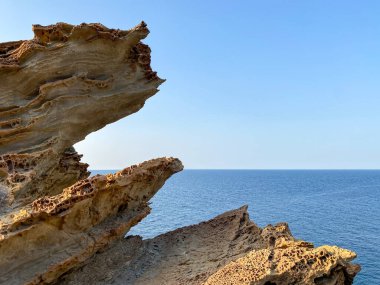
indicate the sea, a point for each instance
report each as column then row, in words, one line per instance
column 334, row 207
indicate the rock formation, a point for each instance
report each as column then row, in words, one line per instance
column 70, row 227
column 57, row 88
column 206, row 254
column 57, row 225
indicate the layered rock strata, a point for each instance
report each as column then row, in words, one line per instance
column 65, row 83
column 70, row 227
column 229, row 249
column 59, row 226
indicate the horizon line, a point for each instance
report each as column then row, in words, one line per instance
column 258, row 169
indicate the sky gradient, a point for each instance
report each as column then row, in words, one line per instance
column 250, row 84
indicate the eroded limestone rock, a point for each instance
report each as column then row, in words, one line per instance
column 54, row 234
column 288, row 261
column 57, row 88
column 229, row 249
column 59, row 226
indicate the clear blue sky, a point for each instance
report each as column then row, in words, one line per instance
column 250, row 84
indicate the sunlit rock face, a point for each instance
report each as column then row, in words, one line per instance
column 229, row 249
column 53, row 234
column 59, row 226
column 57, row 88
column 65, row 83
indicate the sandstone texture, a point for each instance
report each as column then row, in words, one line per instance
column 57, row 88
column 229, row 249
column 70, row 227
column 65, row 83
column 58, row 225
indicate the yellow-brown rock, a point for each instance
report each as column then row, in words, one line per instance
column 54, row 234
column 59, row 226
column 229, row 249
column 57, row 88
column 290, row 263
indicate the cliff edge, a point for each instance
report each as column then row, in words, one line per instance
column 65, row 83
column 58, row 225
column 228, row 249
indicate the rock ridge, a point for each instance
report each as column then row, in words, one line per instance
column 94, row 211
column 65, row 83
column 79, row 70
column 228, row 249
column 58, row 225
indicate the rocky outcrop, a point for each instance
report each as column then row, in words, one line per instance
column 285, row 260
column 229, row 249
column 74, row 225
column 57, row 88
column 57, row 225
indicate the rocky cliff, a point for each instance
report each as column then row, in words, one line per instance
column 65, row 83
column 229, row 249
column 57, row 225
column 57, row 88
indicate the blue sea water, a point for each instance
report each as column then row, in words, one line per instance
column 336, row 207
